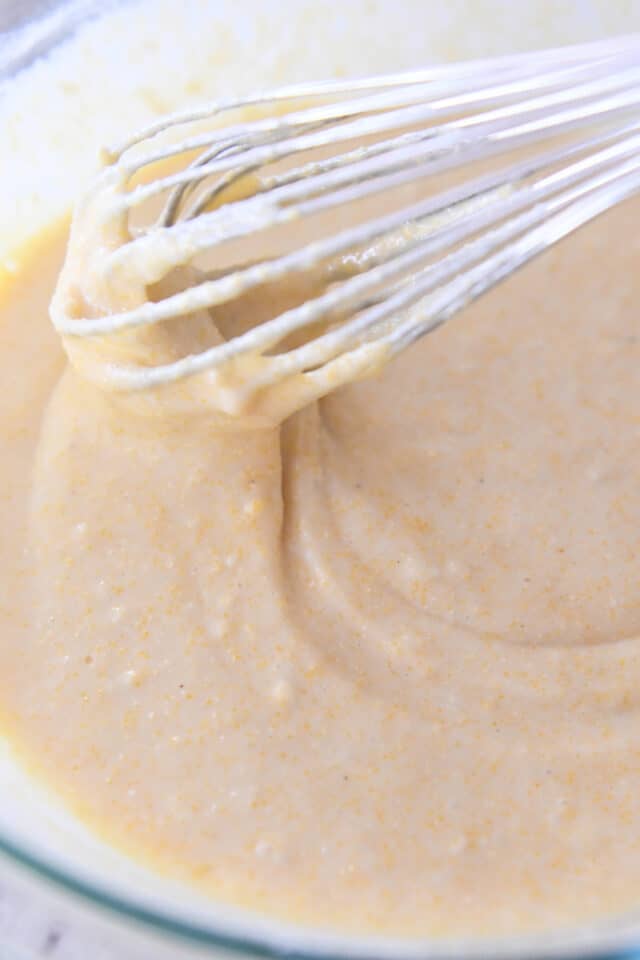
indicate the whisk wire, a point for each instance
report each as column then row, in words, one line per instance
column 401, row 273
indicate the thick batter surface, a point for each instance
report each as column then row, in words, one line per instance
column 377, row 668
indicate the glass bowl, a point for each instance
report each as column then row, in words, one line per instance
column 44, row 844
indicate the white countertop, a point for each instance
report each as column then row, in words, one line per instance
column 29, row 930
column 38, row 921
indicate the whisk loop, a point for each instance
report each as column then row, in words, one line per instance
column 555, row 137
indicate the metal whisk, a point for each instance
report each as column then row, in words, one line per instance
column 241, row 168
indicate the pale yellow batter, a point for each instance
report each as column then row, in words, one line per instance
column 376, row 669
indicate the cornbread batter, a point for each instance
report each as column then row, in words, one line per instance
column 377, row 668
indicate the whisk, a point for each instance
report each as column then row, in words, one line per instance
column 233, row 171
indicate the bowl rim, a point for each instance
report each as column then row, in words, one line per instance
column 617, row 938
